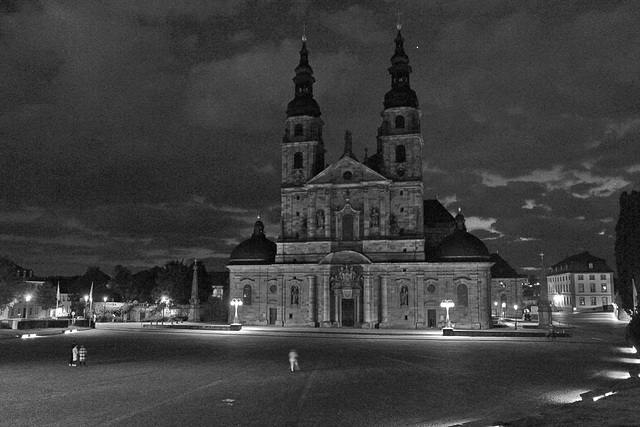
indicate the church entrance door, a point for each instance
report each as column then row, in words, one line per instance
column 348, row 312
column 347, row 227
column 273, row 316
column 431, row 318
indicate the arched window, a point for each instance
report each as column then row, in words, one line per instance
column 295, row 295
column 297, row 160
column 401, row 154
column 298, row 130
column 246, row 295
column 404, row 295
column 463, row 296
column 399, row 122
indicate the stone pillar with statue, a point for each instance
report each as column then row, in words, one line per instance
column 194, row 302
column 544, row 308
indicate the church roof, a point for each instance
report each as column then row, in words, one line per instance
column 435, row 213
column 347, row 171
column 255, row 250
column 580, row 263
column 501, row 268
column 303, row 103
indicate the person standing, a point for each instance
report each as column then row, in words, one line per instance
column 293, row 360
column 82, row 356
column 74, row 354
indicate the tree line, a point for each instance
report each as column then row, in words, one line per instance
column 173, row 281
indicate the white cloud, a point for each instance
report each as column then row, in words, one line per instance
column 531, row 204
column 557, row 178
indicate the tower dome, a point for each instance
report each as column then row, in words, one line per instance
column 255, row 250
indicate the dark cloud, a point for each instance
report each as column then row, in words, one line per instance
column 139, row 132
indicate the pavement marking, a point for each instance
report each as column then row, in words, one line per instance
column 172, row 399
column 307, row 387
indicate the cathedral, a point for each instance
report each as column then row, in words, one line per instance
column 359, row 246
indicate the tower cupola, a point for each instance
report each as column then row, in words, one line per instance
column 401, row 94
column 303, row 103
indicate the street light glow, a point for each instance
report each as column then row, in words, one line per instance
column 236, row 302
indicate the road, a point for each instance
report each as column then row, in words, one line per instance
column 169, row 377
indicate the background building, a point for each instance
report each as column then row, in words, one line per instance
column 581, row 282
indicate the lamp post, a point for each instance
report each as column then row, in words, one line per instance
column 163, row 300
column 86, row 299
column 447, row 304
column 26, row 310
column 515, row 309
column 104, row 308
column 236, row 302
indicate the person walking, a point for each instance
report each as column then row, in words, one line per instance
column 74, row 354
column 82, row 356
column 293, row 360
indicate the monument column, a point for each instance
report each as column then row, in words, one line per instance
column 544, row 308
column 194, row 302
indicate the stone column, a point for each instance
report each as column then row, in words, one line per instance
column 420, row 299
column 367, row 213
column 326, row 309
column 366, row 289
column 384, row 322
column 313, row 225
column 311, row 284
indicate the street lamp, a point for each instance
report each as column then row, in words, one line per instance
column 26, row 310
column 515, row 309
column 104, row 308
column 236, row 302
column 86, row 299
column 163, row 301
column 447, row 304
column 504, row 310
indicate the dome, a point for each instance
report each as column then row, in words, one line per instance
column 462, row 246
column 303, row 105
column 255, row 250
column 402, row 96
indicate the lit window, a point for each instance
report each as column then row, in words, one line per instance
column 604, row 287
column 581, row 300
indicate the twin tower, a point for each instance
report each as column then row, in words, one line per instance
column 383, row 195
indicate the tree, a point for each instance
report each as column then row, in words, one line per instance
column 627, row 247
column 122, row 283
column 45, row 295
column 174, row 282
column 12, row 287
column 144, row 283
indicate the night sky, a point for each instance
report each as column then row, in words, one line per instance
column 140, row 132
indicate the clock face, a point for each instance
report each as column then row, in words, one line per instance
column 401, row 172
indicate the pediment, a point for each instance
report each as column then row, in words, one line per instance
column 347, row 171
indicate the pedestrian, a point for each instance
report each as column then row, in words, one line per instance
column 82, row 356
column 74, row 354
column 293, row 360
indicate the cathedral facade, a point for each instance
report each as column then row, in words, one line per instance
column 359, row 244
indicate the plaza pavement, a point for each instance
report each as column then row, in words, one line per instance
column 618, row 409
